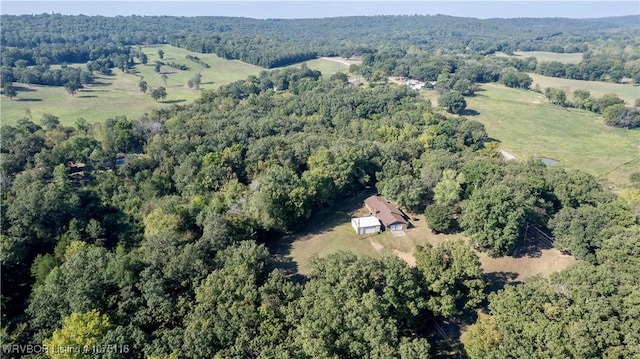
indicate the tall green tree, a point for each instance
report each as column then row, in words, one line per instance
column 439, row 217
column 158, row 93
column 494, row 217
column 81, row 332
column 448, row 189
column 143, row 86
column 452, row 101
column 72, row 87
column 452, row 276
column 8, row 90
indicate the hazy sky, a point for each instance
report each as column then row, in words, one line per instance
column 308, row 9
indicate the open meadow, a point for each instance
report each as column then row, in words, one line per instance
column 565, row 58
column 119, row 94
column 627, row 92
column 527, row 126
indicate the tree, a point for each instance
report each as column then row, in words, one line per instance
column 227, row 310
column 143, row 57
column 452, row 276
column 49, row 121
column 452, row 101
column 196, row 80
column 80, row 332
column 448, row 189
column 580, row 98
column 405, row 190
column 157, row 66
column 608, row 99
column 377, row 301
column 439, row 217
column 143, row 86
column 580, row 230
column 161, row 54
column 279, row 202
column 573, row 188
column 158, row 93
column 9, row 91
column 481, row 337
column 556, row 96
column 621, row 116
column 494, row 217
column 164, row 78
column 81, row 125
column 515, row 79
column 72, row 87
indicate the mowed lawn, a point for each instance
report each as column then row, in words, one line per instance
column 627, row 92
column 528, row 126
column 329, row 231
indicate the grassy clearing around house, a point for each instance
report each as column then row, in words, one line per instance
column 565, row 58
column 627, row 92
column 329, row 231
column 528, row 126
column 119, row 94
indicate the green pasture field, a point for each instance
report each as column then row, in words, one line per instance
column 119, row 94
column 627, row 92
column 567, row 58
column 327, row 67
column 528, row 126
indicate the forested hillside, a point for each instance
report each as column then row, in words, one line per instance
column 147, row 236
column 278, row 42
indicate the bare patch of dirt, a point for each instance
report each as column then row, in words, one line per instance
column 549, row 261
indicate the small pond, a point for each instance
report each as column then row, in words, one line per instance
column 546, row 161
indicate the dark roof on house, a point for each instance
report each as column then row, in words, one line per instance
column 387, row 213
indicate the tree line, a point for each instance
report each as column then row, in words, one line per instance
column 278, row 42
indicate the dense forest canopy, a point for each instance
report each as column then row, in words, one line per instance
column 149, row 235
column 277, row 42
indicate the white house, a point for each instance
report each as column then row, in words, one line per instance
column 415, row 84
column 365, row 225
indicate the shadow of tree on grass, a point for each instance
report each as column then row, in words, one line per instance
column 323, row 220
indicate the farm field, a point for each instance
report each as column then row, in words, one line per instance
column 565, row 58
column 327, row 66
column 119, row 95
column 329, row 231
column 528, row 126
column 627, row 92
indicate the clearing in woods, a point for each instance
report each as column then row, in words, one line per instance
column 329, row 231
column 565, row 58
